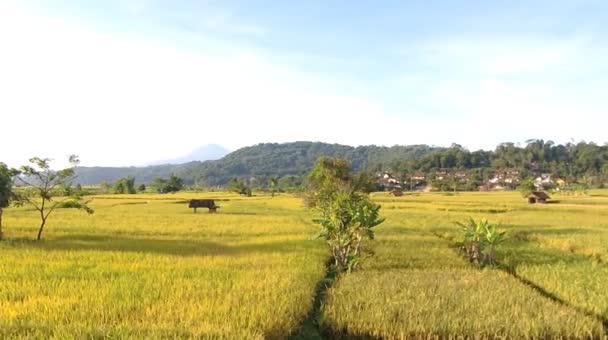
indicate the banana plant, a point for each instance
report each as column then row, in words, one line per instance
column 480, row 239
column 492, row 239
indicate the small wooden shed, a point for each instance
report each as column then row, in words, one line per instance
column 397, row 193
column 538, row 197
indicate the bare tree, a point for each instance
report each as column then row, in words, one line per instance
column 41, row 188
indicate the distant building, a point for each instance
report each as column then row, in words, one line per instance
column 543, row 182
column 385, row 181
column 419, row 176
column 504, row 179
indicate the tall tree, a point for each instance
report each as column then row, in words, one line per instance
column 125, row 185
column 274, row 183
column 41, row 188
column 172, row 184
column 6, row 190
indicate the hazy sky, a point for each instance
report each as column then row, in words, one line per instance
column 128, row 82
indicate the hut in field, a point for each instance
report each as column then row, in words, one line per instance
column 397, row 193
column 538, row 197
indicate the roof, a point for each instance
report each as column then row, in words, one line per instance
column 540, row 194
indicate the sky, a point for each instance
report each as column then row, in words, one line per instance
column 133, row 81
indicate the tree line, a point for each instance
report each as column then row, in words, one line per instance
column 585, row 163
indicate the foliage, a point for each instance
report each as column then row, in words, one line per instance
column 141, row 188
column 274, row 184
column 526, row 187
column 78, row 190
column 41, row 187
column 480, row 239
column 238, row 185
column 6, row 185
column 347, row 215
column 125, row 185
column 172, row 184
column 583, row 163
column 76, row 203
column 6, row 191
column 104, row 187
column 288, row 161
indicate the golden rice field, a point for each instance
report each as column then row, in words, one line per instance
column 146, row 266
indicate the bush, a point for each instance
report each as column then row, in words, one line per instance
column 125, row 185
column 480, row 239
column 347, row 215
column 172, row 184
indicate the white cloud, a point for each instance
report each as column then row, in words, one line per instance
column 114, row 100
column 118, row 101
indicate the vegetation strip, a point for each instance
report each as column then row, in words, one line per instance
column 312, row 327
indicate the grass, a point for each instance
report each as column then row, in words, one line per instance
column 146, row 266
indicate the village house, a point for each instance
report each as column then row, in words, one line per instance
column 385, row 181
column 544, row 181
column 419, row 176
column 504, row 179
column 461, row 176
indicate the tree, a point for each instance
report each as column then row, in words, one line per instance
column 104, row 187
column 125, row 185
column 526, row 187
column 141, row 188
column 238, row 185
column 172, row 184
column 347, row 215
column 6, row 190
column 78, row 190
column 42, row 184
column 274, row 183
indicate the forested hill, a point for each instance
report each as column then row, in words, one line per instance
column 582, row 162
column 260, row 160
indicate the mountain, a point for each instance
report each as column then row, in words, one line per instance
column 208, row 152
column 145, row 174
column 268, row 159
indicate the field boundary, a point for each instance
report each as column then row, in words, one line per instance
column 551, row 296
column 312, row 326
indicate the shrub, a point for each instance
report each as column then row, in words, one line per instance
column 480, row 239
column 347, row 215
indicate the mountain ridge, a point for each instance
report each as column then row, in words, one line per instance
column 264, row 159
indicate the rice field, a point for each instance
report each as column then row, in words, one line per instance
column 552, row 282
column 146, row 266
